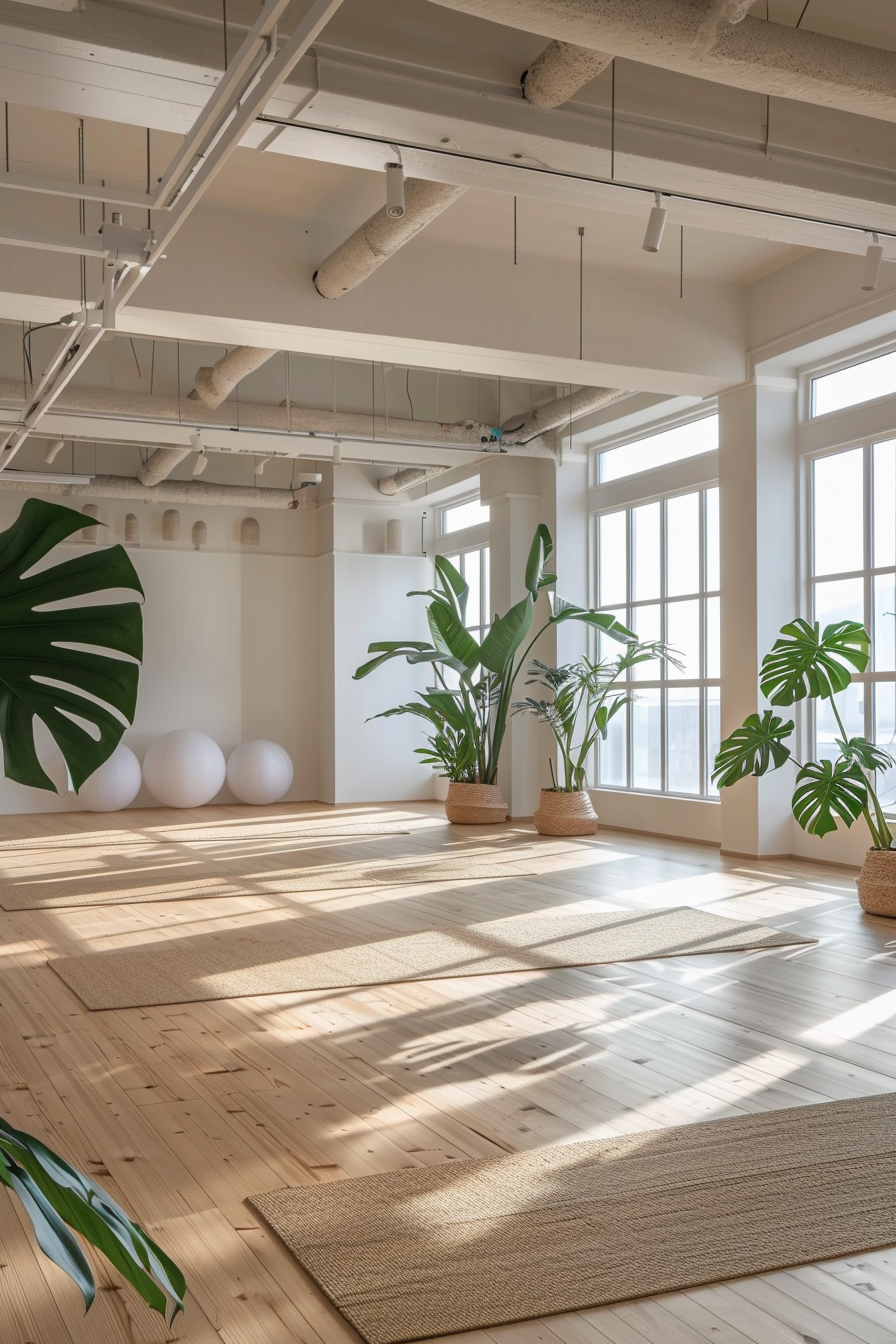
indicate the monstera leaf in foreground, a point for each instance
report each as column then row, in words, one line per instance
column 58, row 661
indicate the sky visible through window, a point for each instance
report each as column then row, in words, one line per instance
column 470, row 513
column 849, row 387
column 658, row 450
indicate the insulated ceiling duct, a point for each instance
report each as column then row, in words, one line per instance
column 559, row 413
column 160, row 465
column 381, row 237
column 560, row 71
column 167, row 492
column 215, row 384
column 712, row 41
column 407, row 478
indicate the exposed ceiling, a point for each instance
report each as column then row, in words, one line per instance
column 752, row 183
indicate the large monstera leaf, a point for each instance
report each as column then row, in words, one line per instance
column 58, row 664
column 826, row 790
column 753, row 749
column 805, row 662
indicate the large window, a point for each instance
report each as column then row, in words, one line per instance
column 864, row 381
column 659, row 450
column 657, row 569
column 853, row 577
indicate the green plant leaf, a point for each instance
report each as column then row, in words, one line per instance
column 456, row 640
column 506, row 636
column 541, row 548
column 826, row 790
column 752, row 749
column 85, row 695
column 561, row 610
column 454, row 584
column 868, row 754
column 386, row 649
column 803, row 662
column 57, row 1196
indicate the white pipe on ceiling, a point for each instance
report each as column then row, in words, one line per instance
column 694, row 38
column 381, row 237
column 214, row 384
column 407, row 478
column 560, row 71
column 160, row 465
column 167, row 492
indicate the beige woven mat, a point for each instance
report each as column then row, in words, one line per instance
column 149, row 878
column 231, row 965
column 471, row 1245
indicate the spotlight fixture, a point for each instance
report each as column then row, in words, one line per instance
column 873, row 258
column 337, row 452
column 260, row 466
column 53, row 449
column 656, row 223
column 201, row 463
column 394, row 191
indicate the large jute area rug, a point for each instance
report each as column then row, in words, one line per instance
column 139, row 876
column 468, row 1245
column 231, row 965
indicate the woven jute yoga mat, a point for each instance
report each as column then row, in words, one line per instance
column 231, row 965
column 469, row 1245
column 181, row 881
column 196, row 835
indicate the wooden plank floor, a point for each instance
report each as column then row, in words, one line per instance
column 184, row 1111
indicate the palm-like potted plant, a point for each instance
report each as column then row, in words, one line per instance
column 76, row 669
column 586, row 695
column 468, row 706
column 806, row 663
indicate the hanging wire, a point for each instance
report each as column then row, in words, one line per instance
column 6, row 122
column 134, row 352
column 82, row 210
column 803, row 14
column 681, row 266
column 514, row 232
column 373, row 399
column 224, row 14
column 148, row 177
column 152, row 369
column 407, row 388
column 288, row 394
column 179, row 415
column 612, row 119
column 581, row 289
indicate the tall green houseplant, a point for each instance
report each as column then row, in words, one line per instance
column 76, row 669
column 468, row 706
column 808, row 663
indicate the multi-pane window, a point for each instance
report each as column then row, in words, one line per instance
column 863, row 381
column 473, row 565
column 659, row 450
column 853, row 578
column 469, row 513
column 658, row 572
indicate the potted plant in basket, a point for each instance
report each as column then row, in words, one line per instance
column 467, row 708
column 586, row 696
column 805, row 663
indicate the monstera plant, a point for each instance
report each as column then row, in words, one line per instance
column 58, row 662
column 808, row 663
column 73, row 665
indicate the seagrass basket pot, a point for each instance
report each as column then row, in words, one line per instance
column 475, row 804
column 565, row 814
column 877, row 883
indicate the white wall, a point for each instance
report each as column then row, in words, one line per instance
column 230, row 642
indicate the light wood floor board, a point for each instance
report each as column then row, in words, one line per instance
column 183, row 1111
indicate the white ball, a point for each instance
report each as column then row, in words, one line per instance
column 115, row 784
column 259, row 772
column 184, row 768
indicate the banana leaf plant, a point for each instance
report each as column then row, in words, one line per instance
column 467, row 708
column 585, row 697
column 58, row 663
column 806, row 663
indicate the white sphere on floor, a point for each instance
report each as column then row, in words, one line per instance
column 259, row 772
column 184, row 768
column 114, row 785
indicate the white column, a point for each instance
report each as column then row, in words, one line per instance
column 520, row 495
column 759, row 501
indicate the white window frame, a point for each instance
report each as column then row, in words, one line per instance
column 867, row 573
column 470, row 497
column 704, row 411
column 687, row 476
column 862, row 354
column 461, row 543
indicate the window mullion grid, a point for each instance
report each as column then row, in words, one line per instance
column 868, row 586
column 664, row 781
column 704, row 670
column 629, row 617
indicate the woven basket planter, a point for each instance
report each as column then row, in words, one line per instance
column 475, row 804
column 565, row 814
column 877, row 882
